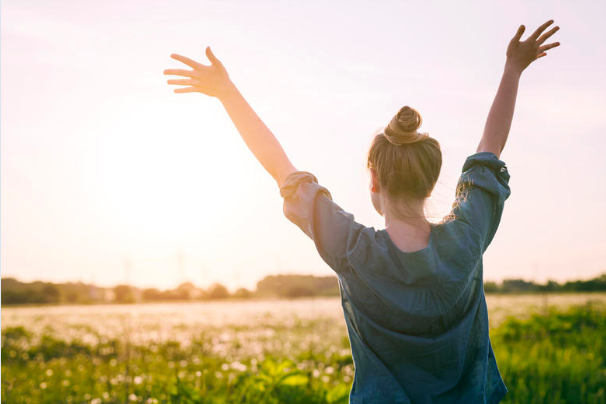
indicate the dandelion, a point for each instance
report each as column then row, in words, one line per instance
column 113, row 362
column 329, row 370
column 43, row 385
column 138, row 380
column 49, row 372
column 237, row 365
column 96, row 401
column 198, row 373
column 132, row 397
column 65, row 383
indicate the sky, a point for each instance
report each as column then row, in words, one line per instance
column 107, row 176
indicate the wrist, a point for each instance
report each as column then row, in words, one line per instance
column 229, row 91
column 512, row 69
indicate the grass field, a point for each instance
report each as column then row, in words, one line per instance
column 550, row 349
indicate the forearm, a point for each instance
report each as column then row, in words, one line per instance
column 500, row 116
column 257, row 136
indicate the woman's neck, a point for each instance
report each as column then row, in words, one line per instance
column 409, row 217
column 409, row 231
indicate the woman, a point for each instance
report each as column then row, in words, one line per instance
column 412, row 293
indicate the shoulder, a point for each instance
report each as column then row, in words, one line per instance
column 459, row 245
column 484, row 158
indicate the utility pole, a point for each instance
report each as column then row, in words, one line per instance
column 203, row 277
column 238, row 272
column 181, row 266
column 128, row 266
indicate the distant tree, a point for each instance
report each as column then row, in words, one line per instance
column 298, row 285
column 124, row 294
column 14, row 297
column 518, row 285
column 298, row 291
column 49, row 294
column 243, row 293
column 187, row 290
column 217, row 291
column 152, row 294
column 9, row 283
column 490, row 287
column 71, row 296
column 550, row 286
column 177, row 294
column 591, row 285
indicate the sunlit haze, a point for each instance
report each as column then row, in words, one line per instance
column 108, row 176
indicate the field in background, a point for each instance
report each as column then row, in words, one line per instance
column 270, row 351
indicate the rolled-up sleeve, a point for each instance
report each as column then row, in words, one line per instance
column 481, row 193
column 310, row 206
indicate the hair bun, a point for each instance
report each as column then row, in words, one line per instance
column 403, row 127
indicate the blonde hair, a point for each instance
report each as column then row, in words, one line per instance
column 407, row 162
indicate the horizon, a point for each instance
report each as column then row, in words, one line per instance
column 278, row 274
column 108, row 177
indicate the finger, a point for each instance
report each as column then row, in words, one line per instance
column 546, row 35
column 179, row 72
column 548, row 46
column 185, row 90
column 187, row 61
column 183, row 82
column 518, row 34
column 211, row 56
column 540, row 55
column 536, row 34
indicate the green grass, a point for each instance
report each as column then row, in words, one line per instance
column 558, row 357
column 555, row 357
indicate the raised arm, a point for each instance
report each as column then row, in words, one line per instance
column 214, row 81
column 519, row 56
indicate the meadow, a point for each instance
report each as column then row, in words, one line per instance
column 550, row 349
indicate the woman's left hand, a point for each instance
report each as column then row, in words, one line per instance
column 211, row 80
column 520, row 54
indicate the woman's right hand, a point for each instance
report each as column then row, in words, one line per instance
column 211, row 80
column 522, row 54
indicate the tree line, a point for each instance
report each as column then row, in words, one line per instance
column 15, row 292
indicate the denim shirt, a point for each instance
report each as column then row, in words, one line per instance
column 417, row 321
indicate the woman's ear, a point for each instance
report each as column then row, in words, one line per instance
column 375, row 187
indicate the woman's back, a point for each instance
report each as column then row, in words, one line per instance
column 417, row 321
